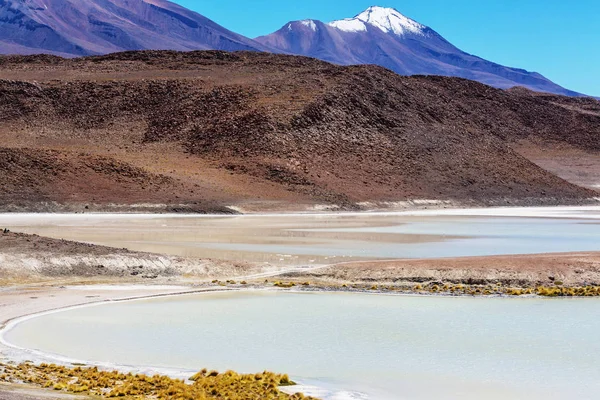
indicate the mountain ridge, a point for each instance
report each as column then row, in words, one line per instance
column 378, row 35
column 74, row 28
column 384, row 36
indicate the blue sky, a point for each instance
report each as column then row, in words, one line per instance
column 558, row 38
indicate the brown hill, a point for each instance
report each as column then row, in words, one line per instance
column 205, row 129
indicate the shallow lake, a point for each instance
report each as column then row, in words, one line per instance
column 352, row 345
column 329, row 238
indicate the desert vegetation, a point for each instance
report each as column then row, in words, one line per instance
column 110, row 384
column 451, row 289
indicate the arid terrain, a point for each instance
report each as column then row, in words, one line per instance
column 31, row 259
column 39, row 274
column 206, row 131
column 16, row 392
column 35, row 259
column 572, row 269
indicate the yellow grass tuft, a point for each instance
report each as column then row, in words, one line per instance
column 205, row 385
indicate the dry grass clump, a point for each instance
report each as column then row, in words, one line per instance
column 205, row 385
column 454, row 289
column 285, row 285
column 584, row 291
column 489, row 290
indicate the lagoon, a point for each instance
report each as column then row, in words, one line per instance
column 350, row 345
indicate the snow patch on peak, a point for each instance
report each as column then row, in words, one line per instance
column 388, row 20
column 349, row 25
column 309, row 23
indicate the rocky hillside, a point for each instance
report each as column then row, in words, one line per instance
column 216, row 128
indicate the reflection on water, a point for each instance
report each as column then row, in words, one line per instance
column 389, row 347
column 318, row 239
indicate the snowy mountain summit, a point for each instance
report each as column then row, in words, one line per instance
column 388, row 20
column 385, row 37
column 378, row 35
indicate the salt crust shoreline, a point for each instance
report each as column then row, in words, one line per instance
column 575, row 212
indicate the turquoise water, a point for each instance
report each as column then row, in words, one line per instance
column 354, row 345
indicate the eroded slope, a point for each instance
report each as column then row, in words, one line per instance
column 244, row 127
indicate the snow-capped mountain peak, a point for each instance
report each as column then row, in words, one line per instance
column 388, row 20
column 385, row 37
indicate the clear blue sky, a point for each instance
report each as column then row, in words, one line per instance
column 558, row 38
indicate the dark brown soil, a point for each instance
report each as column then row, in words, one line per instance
column 22, row 243
column 205, row 129
column 31, row 258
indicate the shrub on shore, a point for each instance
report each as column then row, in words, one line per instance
column 203, row 385
column 455, row 289
column 285, row 285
